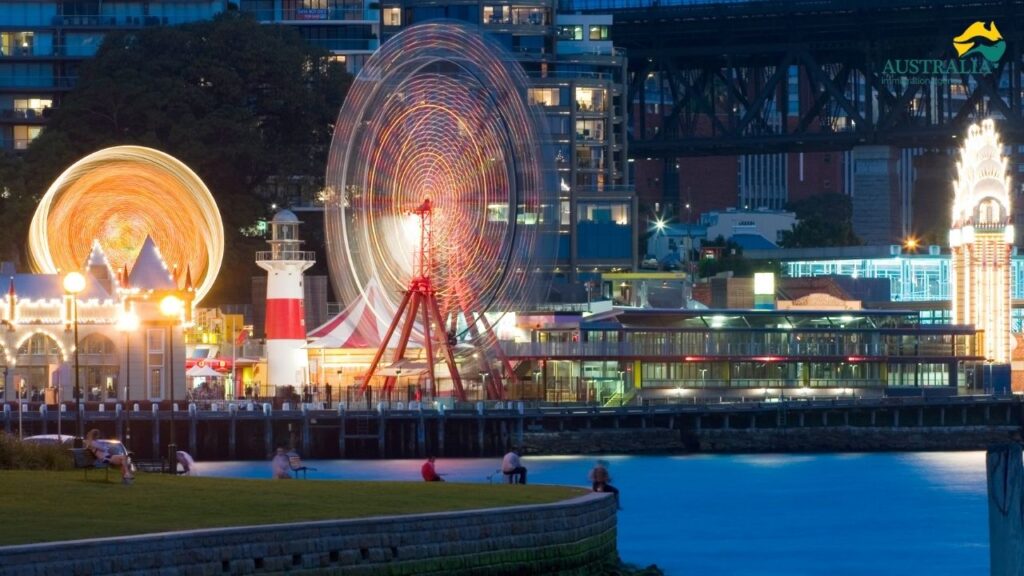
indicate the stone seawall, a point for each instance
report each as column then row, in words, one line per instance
column 818, row 439
column 574, row 537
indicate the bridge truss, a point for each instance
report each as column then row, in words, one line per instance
column 807, row 75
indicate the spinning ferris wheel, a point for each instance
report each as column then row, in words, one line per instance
column 437, row 191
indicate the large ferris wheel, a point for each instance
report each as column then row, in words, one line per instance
column 438, row 184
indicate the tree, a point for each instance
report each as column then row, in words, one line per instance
column 822, row 220
column 238, row 102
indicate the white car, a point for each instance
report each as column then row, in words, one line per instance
column 112, row 445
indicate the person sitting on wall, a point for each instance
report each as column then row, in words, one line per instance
column 601, row 480
column 428, row 471
column 103, row 456
column 512, row 468
column 279, row 465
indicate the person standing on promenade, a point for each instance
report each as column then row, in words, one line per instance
column 428, row 471
column 513, row 468
column 600, row 479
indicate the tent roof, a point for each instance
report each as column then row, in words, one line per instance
column 357, row 326
column 197, row 371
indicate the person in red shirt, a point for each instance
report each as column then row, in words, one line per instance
column 428, row 471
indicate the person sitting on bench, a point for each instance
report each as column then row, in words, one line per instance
column 103, row 456
column 513, row 468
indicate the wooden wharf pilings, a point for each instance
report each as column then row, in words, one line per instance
column 246, row 431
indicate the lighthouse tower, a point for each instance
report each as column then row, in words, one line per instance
column 285, row 321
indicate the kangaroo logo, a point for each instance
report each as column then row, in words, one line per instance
column 979, row 39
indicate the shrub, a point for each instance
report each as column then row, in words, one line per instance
column 18, row 455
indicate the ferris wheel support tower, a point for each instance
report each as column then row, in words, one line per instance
column 421, row 293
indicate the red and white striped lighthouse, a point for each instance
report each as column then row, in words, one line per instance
column 285, row 320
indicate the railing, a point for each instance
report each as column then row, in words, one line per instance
column 106, row 20
column 313, row 15
column 299, row 255
column 674, row 350
column 30, row 114
column 366, row 45
column 21, row 81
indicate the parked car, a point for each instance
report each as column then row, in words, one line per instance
column 112, row 445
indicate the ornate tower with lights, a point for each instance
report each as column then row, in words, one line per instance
column 285, row 324
column 981, row 238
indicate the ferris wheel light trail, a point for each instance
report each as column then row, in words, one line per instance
column 118, row 196
column 439, row 113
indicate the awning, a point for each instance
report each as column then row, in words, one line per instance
column 202, row 371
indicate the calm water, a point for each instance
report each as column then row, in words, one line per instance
column 790, row 515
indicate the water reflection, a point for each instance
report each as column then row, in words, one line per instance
column 837, row 514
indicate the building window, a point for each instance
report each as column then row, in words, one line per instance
column 543, row 96
column 590, row 130
column 392, row 16
column 564, row 218
column 24, row 135
column 155, row 361
column 16, row 43
column 598, row 33
column 530, row 16
column 570, row 32
column 604, row 212
column 590, row 99
column 496, row 15
column 31, row 108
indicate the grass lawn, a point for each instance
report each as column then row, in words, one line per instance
column 48, row 506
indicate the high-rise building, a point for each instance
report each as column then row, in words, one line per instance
column 348, row 29
column 577, row 76
column 43, row 44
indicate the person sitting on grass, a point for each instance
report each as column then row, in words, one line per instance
column 103, row 456
column 429, row 472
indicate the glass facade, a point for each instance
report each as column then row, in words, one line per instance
column 920, row 278
column 43, row 44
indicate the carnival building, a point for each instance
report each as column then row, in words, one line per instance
column 128, row 325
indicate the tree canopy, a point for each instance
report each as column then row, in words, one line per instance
column 822, row 220
column 240, row 103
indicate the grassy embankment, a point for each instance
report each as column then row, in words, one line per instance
column 42, row 506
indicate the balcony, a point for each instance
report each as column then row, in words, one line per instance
column 24, row 115
column 16, row 81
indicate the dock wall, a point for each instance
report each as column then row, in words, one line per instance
column 574, row 537
column 252, row 432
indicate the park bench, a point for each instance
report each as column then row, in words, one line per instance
column 86, row 460
column 295, row 462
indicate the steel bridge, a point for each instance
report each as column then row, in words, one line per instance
column 765, row 76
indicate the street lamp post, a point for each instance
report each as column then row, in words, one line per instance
column 622, row 385
column 170, row 307
column 74, row 283
column 128, row 323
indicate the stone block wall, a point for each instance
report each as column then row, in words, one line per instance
column 574, row 537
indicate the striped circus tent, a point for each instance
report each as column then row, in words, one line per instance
column 357, row 326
